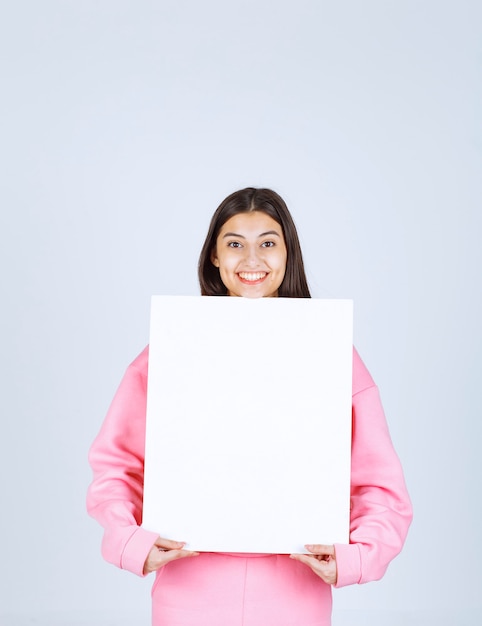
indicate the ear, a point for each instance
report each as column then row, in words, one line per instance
column 214, row 258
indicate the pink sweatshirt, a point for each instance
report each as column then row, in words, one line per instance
column 380, row 506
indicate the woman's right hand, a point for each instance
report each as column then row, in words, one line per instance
column 164, row 551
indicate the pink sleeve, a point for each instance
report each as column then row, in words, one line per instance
column 381, row 511
column 114, row 498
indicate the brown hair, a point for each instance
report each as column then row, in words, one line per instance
column 294, row 284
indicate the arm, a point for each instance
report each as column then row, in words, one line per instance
column 381, row 511
column 114, row 498
column 380, row 506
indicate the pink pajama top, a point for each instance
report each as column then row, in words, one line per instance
column 247, row 590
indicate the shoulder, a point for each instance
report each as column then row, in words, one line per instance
column 140, row 363
column 362, row 378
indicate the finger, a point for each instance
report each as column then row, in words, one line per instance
column 169, row 544
column 156, row 561
column 321, row 549
column 313, row 560
column 326, row 570
column 172, row 555
column 303, row 558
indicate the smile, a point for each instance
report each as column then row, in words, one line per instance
column 252, row 277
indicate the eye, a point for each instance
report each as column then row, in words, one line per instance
column 234, row 244
column 268, row 244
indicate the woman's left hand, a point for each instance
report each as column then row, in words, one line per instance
column 322, row 561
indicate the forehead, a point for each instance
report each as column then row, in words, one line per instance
column 253, row 223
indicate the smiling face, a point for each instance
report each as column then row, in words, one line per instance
column 251, row 255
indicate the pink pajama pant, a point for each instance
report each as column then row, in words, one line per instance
column 226, row 590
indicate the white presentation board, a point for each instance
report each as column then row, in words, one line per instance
column 248, row 433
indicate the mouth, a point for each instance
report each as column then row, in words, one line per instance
column 252, row 278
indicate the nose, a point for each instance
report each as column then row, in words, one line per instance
column 252, row 256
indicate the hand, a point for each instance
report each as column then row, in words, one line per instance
column 164, row 551
column 322, row 561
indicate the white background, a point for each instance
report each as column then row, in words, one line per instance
column 122, row 126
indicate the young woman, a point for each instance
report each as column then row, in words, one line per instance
column 251, row 250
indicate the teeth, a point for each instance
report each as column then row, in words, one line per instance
column 252, row 275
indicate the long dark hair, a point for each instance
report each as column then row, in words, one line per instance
column 294, row 283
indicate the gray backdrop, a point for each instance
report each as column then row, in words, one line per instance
column 122, row 126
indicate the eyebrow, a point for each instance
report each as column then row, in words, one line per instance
column 268, row 232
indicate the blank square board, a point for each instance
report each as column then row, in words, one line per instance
column 248, row 432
